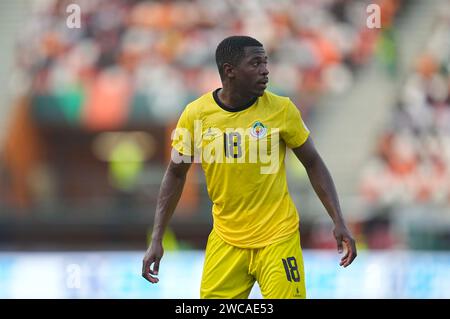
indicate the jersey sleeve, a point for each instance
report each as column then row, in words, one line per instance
column 183, row 135
column 295, row 132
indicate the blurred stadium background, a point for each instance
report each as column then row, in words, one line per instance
column 86, row 116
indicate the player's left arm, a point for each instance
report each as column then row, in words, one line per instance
column 323, row 185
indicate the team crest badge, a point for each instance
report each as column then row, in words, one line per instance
column 258, row 130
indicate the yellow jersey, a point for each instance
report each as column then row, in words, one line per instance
column 242, row 153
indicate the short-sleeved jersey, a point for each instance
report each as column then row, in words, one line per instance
column 242, row 152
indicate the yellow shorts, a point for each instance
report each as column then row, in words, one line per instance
column 230, row 272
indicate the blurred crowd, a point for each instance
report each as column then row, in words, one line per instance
column 412, row 161
column 145, row 60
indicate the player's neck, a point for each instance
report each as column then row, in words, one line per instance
column 234, row 99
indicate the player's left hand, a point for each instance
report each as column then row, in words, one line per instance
column 345, row 242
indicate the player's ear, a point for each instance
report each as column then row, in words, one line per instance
column 228, row 70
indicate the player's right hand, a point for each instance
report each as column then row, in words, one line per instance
column 153, row 256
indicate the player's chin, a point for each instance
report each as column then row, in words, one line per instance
column 259, row 91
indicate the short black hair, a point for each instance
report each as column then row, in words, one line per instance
column 231, row 50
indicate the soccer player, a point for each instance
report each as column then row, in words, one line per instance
column 239, row 133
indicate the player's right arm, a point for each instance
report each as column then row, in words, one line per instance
column 169, row 195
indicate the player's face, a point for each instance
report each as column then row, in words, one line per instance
column 252, row 73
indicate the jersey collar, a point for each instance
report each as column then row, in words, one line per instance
column 232, row 109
